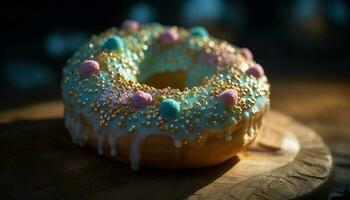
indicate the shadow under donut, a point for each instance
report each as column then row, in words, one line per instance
column 40, row 161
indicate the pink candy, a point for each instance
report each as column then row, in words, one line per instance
column 141, row 99
column 247, row 53
column 256, row 70
column 88, row 67
column 229, row 97
column 169, row 37
column 130, row 25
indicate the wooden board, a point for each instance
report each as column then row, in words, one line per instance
column 288, row 160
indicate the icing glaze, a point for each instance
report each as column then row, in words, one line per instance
column 106, row 98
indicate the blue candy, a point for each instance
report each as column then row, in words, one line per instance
column 169, row 108
column 114, row 43
column 199, row 31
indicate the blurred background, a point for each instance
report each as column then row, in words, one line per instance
column 291, row 39
column 302, row 44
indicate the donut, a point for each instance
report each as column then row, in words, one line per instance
column 163, row 97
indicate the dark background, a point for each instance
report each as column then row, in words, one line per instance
column 291, row 39
column 303, row 46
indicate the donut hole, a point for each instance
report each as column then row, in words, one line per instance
column 168, row 79
column 173, row 67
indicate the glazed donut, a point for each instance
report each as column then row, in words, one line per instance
column 163, row 97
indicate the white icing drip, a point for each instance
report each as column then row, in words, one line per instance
column 111, row 141
column 100, row 141
column 246, row 127
column 67, row 125
column 247, row 131
column 228, row 134
column 245, row 139
column 255, row 125
column 135, row 154
column 245, row 115
column 250, row 127
column 73, row 124
column 75, row 130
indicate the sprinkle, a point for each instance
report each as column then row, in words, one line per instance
column 229, row 97
column 199, row 31
column 88, row 67
column 119, row 99
column 141, row 99
column 114, row 43
column 213, row 57
column 169, row 108
column 256, row 70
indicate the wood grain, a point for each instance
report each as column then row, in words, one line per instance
column 42, row 163
column 324, row 106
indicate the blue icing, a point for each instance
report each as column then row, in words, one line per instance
column 261, row 101
column 114, row 43
column 158, row 60
column 173, row 58
column 196, row 74
column 170, row 59
column 125, row 72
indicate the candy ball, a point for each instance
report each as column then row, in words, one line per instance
column 168, row 37
column 247, row 53
column 199, row 31
column 229, row 97
column 141, row 99
column 256, row 70
column 169, row 108
column 88, row 67
column 130, row 25
column 114, row 43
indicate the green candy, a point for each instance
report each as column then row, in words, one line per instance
column 199, row 31
column 114, row 43
column 169, row 108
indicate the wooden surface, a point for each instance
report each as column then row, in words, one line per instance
column 42, row 163
column 323, row 105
